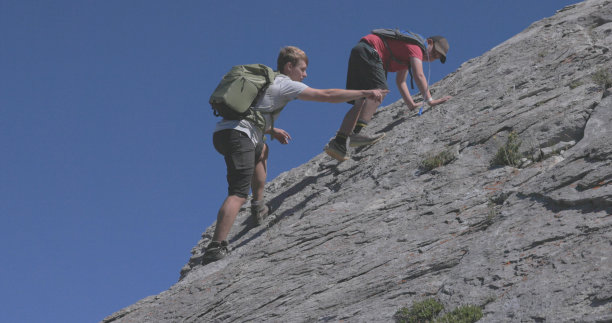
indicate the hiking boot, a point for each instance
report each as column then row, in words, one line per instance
column 259, row 213
column 336, row 150
column 215, row 251
column 357, row 140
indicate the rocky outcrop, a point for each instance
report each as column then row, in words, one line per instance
column 358, row 240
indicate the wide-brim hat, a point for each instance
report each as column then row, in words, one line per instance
column 440, row 46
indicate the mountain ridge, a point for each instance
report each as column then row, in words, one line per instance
column 356, row 241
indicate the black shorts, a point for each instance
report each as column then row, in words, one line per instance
column 365, row 69
column 240, row 155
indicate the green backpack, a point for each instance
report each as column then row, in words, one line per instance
column 240, row 89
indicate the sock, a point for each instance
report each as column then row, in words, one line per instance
column 257, row 204
column 341, row 139
column 360, row 125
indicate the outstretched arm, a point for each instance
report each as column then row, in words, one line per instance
column 339, row 95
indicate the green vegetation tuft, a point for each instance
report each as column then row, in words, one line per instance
column 462, row 314
column 509, row 153
column 575, row 83
column 491, row 212
column 427, row 311
column 542, row 54
column 423, row 311
column 437, row 160
column 603, row 78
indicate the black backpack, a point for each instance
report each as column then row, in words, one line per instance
column 405, row 36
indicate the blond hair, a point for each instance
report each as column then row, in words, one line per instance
column 290, row 54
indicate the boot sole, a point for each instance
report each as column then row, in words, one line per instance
column 335, row 155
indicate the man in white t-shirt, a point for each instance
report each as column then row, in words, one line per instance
column 242, row 145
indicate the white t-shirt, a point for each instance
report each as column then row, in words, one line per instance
column 278, row 94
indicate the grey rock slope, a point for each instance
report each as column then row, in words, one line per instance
column 356, row 241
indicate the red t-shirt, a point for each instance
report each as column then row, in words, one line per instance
column 402, row 51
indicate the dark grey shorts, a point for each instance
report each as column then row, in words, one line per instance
column 365, row 69
column 240, row 155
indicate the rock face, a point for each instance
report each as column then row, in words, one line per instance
column 358, row 240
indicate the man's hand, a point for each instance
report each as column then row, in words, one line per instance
column 440, row 101
column 281, row 135
column 377, row 95
column 414, row 106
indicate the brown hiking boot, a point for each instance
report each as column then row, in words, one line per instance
column 357, row 140
column 259, row 214
column 215, row 251
column 336, row 151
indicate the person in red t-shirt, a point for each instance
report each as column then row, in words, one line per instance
column 369, row 62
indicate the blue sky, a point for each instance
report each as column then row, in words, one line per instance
column 108, row 175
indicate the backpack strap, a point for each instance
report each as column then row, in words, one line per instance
column 398, row 61
column 271, row 76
